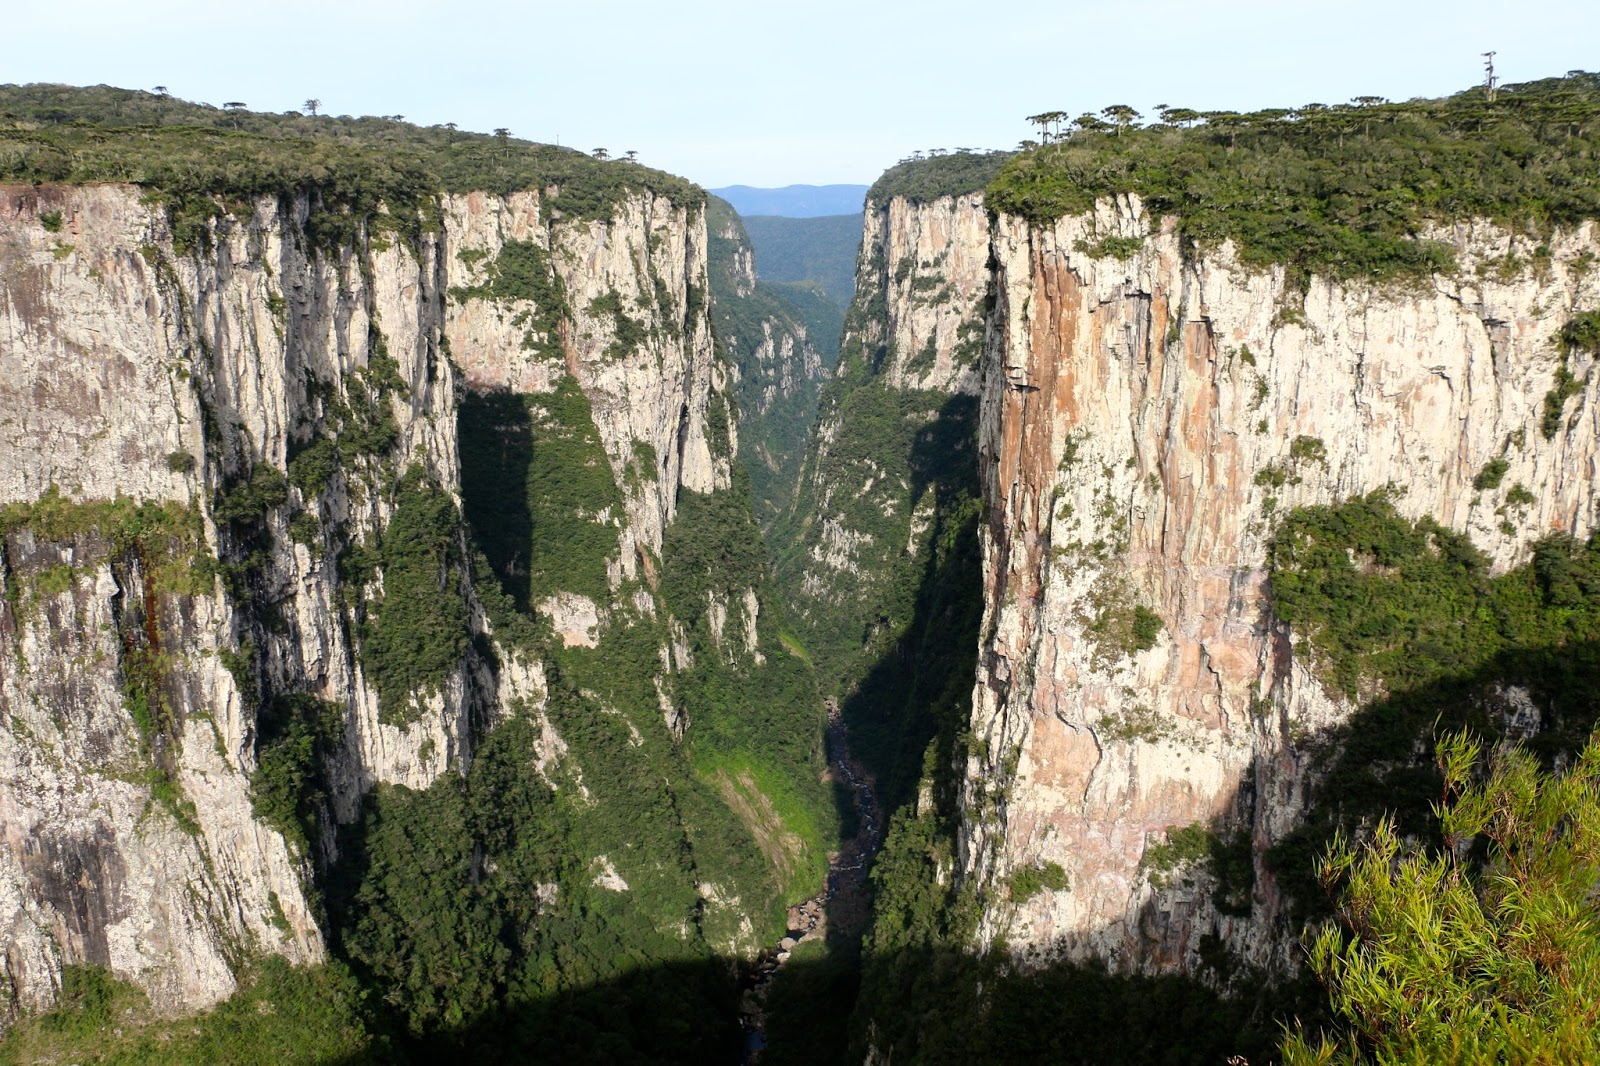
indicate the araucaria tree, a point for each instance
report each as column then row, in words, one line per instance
column 1489, row 950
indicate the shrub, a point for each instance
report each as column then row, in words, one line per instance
column 180, row 462
column 1437, row 961
column 1491, row 475
column 1146, row 628
column 312, row 467
column 1112, row 247
column 1026, row 882
column 247, row 500
column 418, row 632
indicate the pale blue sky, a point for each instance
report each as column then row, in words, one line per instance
column 767, row 94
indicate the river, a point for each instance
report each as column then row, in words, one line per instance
column 843, row 899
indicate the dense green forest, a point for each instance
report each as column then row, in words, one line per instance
column 820, row 250
column 1347, row 190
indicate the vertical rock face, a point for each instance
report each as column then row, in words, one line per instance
column 164, row 584
column 634, row 333
column 865, row 507
column 782, row 341
column 1142, row 420
column 934, row 263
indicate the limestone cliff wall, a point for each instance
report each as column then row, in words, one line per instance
column 1128, row 408
column 137, row 368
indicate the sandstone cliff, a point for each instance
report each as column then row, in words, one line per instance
column 1143, row 420
column 168, row 592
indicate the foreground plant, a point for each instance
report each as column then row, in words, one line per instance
column 1486, row 952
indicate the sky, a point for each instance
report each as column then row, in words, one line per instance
column 764, row 94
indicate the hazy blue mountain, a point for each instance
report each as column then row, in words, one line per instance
column 820, row 250
column 796, row 201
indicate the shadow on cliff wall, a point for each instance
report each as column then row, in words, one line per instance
column 495, row 439
column 919, row 692
column 1381, row 761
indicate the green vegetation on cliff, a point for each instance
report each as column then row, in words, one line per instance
column 1483, row 951
column 928, row 179
column 280, row 1013
column 1345, row 190
column 777, row 395
column 194, row 154
column 538, row 491
column 416, row 634
column 1407, row 616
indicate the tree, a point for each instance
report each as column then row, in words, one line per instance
column 311, row 105
column 1087, row 123
column 1441, row 959
column 601, row 153
column 160, row 90
column 1121, row 115
column 1179, row 116
column 1049, row 123
column 631, row 156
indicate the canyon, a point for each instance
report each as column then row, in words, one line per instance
column 520, row 547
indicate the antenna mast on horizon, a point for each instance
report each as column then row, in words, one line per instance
column 1489, row 81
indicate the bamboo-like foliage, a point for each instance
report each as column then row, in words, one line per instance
column 1488, row 951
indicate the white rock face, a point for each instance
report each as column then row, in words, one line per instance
column 928, row 265
column 936, row 259
column 130, row 369
column 653, row 398
column 1127, row 409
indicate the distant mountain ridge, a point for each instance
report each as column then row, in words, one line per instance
column 796, row 201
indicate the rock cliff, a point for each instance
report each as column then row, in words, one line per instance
column 783, row 341
column 1144, row 418
column 889, row 429
column 211, row 442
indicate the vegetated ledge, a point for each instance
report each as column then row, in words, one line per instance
column 195, row 152
column 937, row 176
column 1343, row 190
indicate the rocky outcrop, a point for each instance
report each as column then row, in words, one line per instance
column 172, row 588
column 864, row 512
column 1143, row 419
column 631, row 329
column 777, row 339
column 933, row 264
